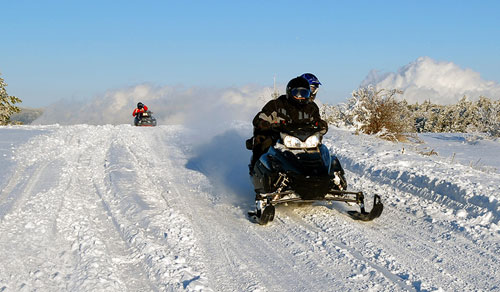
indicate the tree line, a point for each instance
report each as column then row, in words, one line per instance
column 7, row 104
column 378, row 112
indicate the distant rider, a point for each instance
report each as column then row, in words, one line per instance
column 141, row 108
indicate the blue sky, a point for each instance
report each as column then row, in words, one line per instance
column 52, row 50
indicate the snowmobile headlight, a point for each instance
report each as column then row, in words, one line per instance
column 312, row 142
column 292, row 142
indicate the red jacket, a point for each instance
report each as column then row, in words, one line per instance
column 136, row 111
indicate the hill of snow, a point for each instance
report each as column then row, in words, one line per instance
column 119, row 208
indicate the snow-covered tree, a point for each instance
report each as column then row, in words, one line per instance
column 426, row 115
column 333, row 115
column 7, row 102
column 481, row 116
column 376, row 111
column 487, row 113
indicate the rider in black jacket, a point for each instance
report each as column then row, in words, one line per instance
column 296, row 107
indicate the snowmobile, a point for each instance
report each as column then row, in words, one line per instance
column 299, row 168
column 145, row 119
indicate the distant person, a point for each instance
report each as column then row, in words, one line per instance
column 313, row 83
column 141, row 108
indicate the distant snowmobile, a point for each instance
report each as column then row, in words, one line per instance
column 299, row 168
column 145, row 119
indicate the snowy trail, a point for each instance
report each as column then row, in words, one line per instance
column 253, row 256
column 57, row 219
column 119, row 208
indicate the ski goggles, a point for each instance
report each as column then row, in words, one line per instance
column 301, row 92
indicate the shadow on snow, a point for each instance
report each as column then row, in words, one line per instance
column 224, row 161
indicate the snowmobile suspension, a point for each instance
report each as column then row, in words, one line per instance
column 358, row 198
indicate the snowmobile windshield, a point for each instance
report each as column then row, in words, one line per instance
column 301, row 132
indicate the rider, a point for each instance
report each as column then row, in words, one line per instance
column 313, row 82
column 296, row 107
column 141, row 108
column 293, row 108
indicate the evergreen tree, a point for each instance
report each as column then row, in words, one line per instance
column 7, row 102
column 464, row 116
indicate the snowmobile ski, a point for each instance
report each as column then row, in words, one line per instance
column 333, row 195
column 368, row 216
column 266, row 216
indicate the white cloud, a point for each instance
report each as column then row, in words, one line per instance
column 439, row 82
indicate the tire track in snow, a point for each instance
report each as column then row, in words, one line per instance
column 328, row 240
column 234, row 251
column 103, row 259
column 21, row 182
column 60, row 222
column 86, row 229
column 273, row 256
column 406, row 246
column 34, row 159
column 160, row 236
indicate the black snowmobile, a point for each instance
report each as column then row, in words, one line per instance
column 299, row 168
column 145, row 119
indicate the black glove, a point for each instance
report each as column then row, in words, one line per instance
column 277, row 126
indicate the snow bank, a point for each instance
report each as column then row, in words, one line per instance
column 439, row 170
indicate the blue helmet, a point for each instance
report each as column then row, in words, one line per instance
column 312, row 79
column 313, row 83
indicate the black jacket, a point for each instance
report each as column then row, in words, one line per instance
column 284, row 111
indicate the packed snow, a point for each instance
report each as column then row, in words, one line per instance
column 120, row 208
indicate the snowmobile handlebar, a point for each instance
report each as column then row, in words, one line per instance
column 300, row 131
column 293, row 128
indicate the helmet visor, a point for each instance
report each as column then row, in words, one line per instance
column 301, row 93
